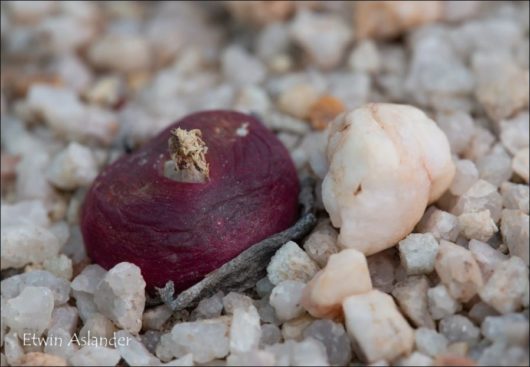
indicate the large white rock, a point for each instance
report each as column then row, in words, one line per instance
column 387, row 163
column 121, row 296
column 377, row 328
column 345, row 274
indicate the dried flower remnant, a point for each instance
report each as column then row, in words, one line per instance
column 188, row 153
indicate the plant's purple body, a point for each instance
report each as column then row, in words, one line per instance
column 182, row 231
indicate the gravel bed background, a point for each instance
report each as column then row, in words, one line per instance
column 84, row 82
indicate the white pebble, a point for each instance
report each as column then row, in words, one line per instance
column 365, row 58
column 442, row 225
column 458, row 271
column 514, row 132
column 245, row 330
column 324, row 37
column 515, row 228
column 30, row 312
column 430, row 342
column 14, row 285
column 377, row 327
column 290, row 262
column 477, row 225
column 441, row 303
column 285, row 298
column 120, row 52
column 120, row 296
column 251, row 358
column 507, row 289
column 68, row 117
column 481, row 196
column 241, row 67
column 95, row 356
column 345, row 274
column 133, row 351
column 465, row 176
column 486, row 256
column 321, row 243
column 206, row 340
column 418, row 253
column 73, row 167
column 520, row 163
column 411, row 296
column 515, row 196
column 25, row 244
column 154, row 318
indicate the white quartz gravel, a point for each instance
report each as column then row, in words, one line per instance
column 410, row 263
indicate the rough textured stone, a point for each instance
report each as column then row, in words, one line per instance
column 511, row 328
column 120, row 296
column 321, row 243
column 324, row 37
column 515, row 196
column 376, row 326
column 411, row 297
column 477, row 225
column 245, row 330
column 270, row 334
column 441, row 303
column 430, row 342
column 95, row 356
column 515, row 233
column 466, row 175
column 285, row 298
column 294, row 328
column 333, row 336
column 418, row 253
column 458, row 271
column 290, row 262
column 458, row 328
column 521, row 162
column 345, row 274
column 235, row 300
column 507, row 289
column 13, row 286
column 205, row 339
column 389, row 19
column 73, row 167
column 486, row 256
column 29, row 312
column 441, row 224
column 481, row 196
